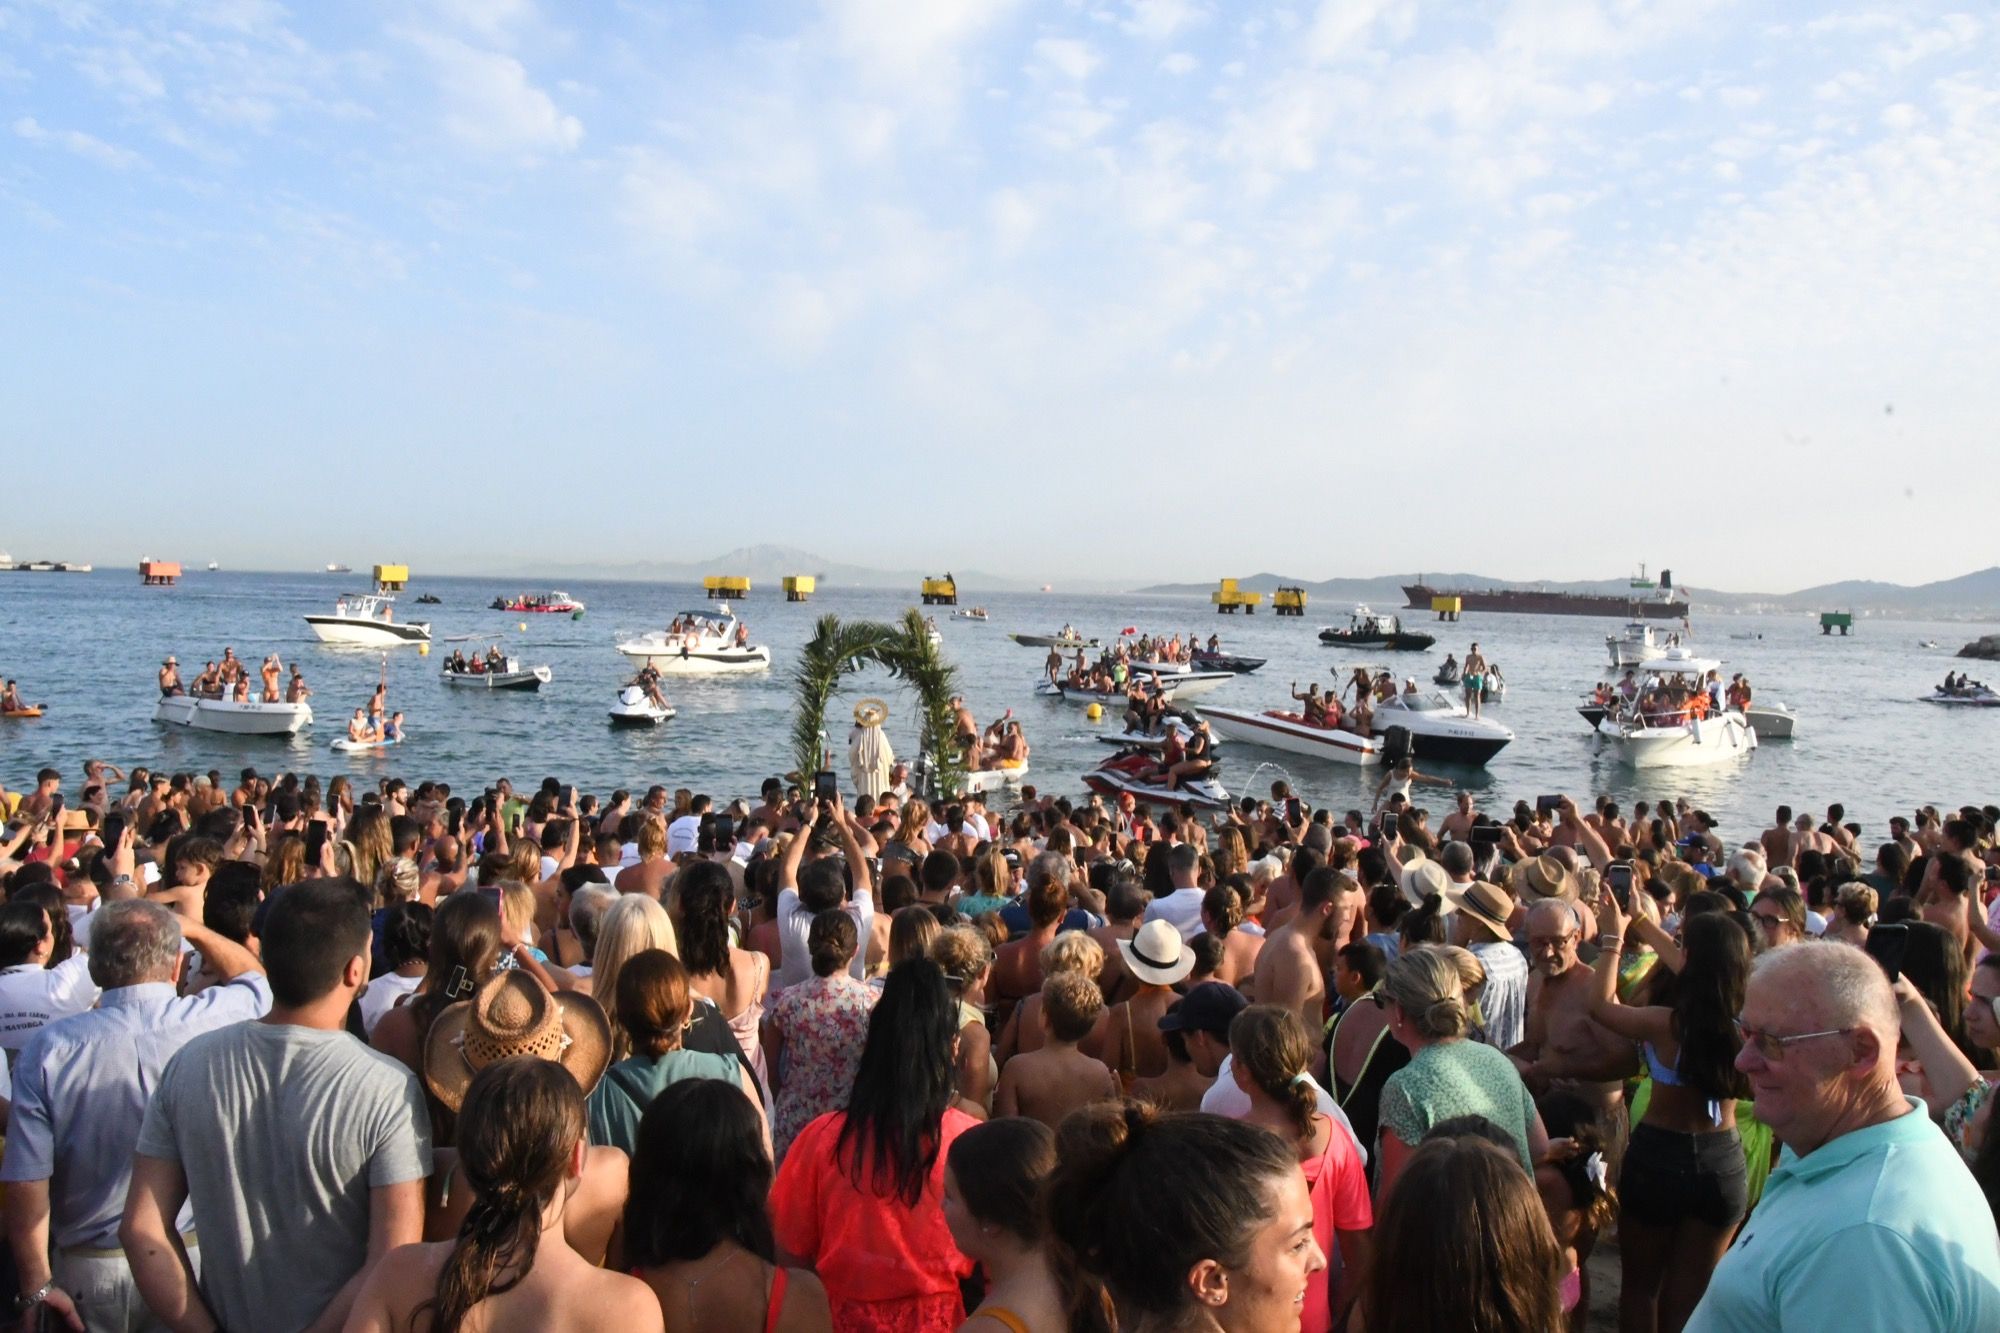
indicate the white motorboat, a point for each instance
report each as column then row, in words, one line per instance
column 1669, row 743
column 1179, row 682
column 513, row 677
column 236, row 719
column 1291, row 733
column 1440, row 728
column 348, row 745
column 1069, row 642
column 1772, row 721
column 368, row 619
column 1639, row 644
column 635, row 709
column 974, row 613
column 698, row 643
column 994, row 779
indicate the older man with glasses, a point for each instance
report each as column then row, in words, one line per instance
column 1566, row 1049
column 1871, row 1219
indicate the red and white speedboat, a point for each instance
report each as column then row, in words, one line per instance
column 1130, row 773
column 540, row 603
column 1290, row 732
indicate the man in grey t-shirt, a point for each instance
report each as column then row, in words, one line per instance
column 302, row 1151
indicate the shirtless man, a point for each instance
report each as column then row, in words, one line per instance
column 963, row 727
column 378, row 703
column 1777, row 840
column 296, row 692
column 170, row 678
column 1311, row 707
column 1565, row 1047
column 1013, row 746
column 232, row 665
column 1048, row 1083
column 1017, row 968
column 1291, row 967
column 1053, row 664
column 1809, row 839
column 1458, row 824
column 270, row 674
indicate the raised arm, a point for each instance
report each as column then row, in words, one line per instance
column 1947, row 1071
column 857, row 864
column 1649, row 1023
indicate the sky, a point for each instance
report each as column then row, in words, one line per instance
column 1138, row 289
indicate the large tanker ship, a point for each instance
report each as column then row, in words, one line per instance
column 1646, row 600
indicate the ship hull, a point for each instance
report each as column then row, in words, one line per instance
column 1527, row 602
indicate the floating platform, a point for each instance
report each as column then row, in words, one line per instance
column 1829, row 621
column 159, row 573
column 726, row 587
column 391, row 578
column 1448, row 607
column 800, row 587
column 1288, row 602
column 940, row 592
column 1229, row 598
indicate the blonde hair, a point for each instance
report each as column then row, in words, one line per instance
column 517, row 908
column 963, row 952
column 916, row 821
column 632, row 925
column 992, row 874
column 1072, row 951
column 1425, row 985
column 652, row 837
column 1857, row 902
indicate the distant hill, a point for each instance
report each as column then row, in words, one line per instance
column 766, row 564
column 1969, row 596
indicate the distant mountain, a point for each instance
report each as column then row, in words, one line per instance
column 764, row 565
column 1970, row 596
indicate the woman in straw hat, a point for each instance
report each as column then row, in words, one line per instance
column 512, row 1014
column 523, row 1153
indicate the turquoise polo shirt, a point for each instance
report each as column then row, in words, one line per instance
column 1883, row 1229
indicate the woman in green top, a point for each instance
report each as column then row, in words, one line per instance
column 1447, row 1075
column 654, row 1008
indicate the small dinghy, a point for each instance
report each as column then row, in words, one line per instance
column 513, row 677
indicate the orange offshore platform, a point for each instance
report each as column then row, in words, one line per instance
column 159, row 573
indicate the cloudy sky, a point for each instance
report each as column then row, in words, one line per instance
column 1151, row 289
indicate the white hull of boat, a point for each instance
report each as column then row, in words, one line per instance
column 1275, row 731
column 368, row 633
column 993, row 779
column 1181, row 683
column 980, row 616
column 1712, row 740
column 235, row 719
column 1051, row 641
column 634, row 709
column 531, row 679
column 697, row 661
column 1771, row 722
column 1983, row 698
column 345, row 745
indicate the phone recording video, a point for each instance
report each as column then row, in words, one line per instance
column 825, row 787
column 1618, row 877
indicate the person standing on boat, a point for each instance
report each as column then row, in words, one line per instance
column 1054, row 663
column 270, row 675
column 1312, row 706
column 170, row 678
column 296, row 692
column 378, row 703
column 1473, row 678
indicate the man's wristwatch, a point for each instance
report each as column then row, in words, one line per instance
column 28, row 1300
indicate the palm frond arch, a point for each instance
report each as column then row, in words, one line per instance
column 905, row 650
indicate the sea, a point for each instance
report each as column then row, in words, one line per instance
column 88, row 647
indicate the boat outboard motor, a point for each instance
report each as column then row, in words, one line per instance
column 1395, row 745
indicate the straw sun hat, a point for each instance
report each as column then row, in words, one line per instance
column 512, row 1014
column 871, row 712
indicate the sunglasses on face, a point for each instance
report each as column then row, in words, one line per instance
column 1772, row 1046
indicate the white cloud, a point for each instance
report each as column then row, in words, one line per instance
column 491, row 106
column 914, row 51
column 1015, row 219
column 1157, row 20
column 1179, row 63
column 1067, row 56
column 87, row 146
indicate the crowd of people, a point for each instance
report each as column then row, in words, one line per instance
column 290, row 1055
column 491, row 662
column 230, row 678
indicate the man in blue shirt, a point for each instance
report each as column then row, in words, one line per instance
column 80, row 1093
column 1871, row 1220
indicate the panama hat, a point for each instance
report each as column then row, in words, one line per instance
column 1158, row 954
column 513, row 1014
column 1488, row 904
column 871, row 712
column 1424, row 878
column 1542, row 877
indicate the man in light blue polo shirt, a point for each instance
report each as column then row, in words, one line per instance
column 1871, row 1220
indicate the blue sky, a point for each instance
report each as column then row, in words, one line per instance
column 1154, row 289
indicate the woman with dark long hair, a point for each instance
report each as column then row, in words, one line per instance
column 993, row 1180
column 696, row 1226
column 1170, row 1222
column 733, row 980
column 1463, row 1244
column 859, row 1196
column 464, row 950
column 521, row 1149
column 1684, row 1185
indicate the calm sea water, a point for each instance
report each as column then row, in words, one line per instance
column 88, row 646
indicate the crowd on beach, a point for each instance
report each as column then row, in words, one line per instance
column 284, row 1054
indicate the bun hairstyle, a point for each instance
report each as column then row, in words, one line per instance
column 1139, row 1197
column 1425, row 985
column 1271, row 1045
column 1424, row 923
column 520, row 1123
column 1589, row 1183
column 1223, row 907
column 831, row 941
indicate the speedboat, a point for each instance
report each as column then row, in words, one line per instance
column 1970, row 695
column 704, row 645
column 1203, row 660
column 348, row 745
column 237, row 719
column 513, row 677
column 635, row 709
column 1130, row 773
column 1370, row 629
column 994, row 779
column 972, row 613
column 1275, row 729
column 1772, row 721
column 1440, row 728
column 428, row 600
column 368, row 619
column 1927, row 643
column 1064, row 641
column 1676, row 741
column 1181, row 683
column 539, row 603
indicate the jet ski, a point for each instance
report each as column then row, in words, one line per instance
column 636, row 709
column 1203, row 660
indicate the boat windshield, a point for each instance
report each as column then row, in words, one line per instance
column 1432, row 702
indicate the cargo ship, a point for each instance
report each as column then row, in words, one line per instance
column 1646, row 600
